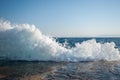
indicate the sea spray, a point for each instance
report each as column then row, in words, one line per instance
column 26, row 42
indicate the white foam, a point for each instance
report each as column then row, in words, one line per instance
column 26, row 42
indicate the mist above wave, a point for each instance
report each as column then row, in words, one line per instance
column 26, row 42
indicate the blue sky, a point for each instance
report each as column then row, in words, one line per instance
column 75, row 18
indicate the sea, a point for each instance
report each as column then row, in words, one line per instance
column 28, row 54
column 72, row 59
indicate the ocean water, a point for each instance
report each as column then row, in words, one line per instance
column 72, row 40
column 27, row 54
column 47, row 70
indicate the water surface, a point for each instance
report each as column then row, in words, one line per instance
column 97, row 70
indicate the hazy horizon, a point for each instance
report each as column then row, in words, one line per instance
column 66, row 18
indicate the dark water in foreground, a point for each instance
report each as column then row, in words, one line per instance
column 97, row 70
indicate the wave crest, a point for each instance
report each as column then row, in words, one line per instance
column 26, row 42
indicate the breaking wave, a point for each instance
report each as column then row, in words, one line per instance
column 26, row 42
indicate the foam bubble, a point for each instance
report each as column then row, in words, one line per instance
column 26, row 42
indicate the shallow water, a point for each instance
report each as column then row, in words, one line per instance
column 97, row 70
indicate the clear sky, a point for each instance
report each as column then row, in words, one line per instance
column 74, row 18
